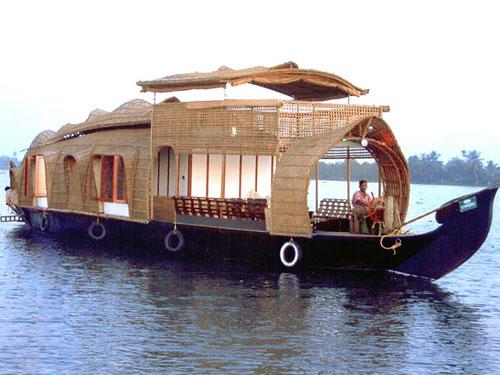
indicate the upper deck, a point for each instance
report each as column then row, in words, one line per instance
column 265, row 127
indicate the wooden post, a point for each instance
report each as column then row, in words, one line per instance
column 207, row 177
column 317, row 178
column 241, row 168
column 178, row 167
column 223, row 177
column 379, row 182
column 158, row 174
column 168, row 172
column 348, row 173
column 190, row 174
column 256, row 172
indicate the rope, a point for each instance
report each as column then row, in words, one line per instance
column 396, row 244
column 398, row 231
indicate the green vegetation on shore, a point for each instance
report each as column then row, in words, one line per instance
column 469, row 169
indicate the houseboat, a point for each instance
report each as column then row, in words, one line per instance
column 229, row 179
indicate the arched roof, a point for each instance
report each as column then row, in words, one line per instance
column 289, row 210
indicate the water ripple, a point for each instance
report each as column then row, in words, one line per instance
column 66, row 307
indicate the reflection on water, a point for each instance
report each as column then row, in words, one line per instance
column 69, row 306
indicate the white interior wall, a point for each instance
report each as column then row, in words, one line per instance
column 183, row 172
column 172, row 187
column 247, row 175
column 215, row 176
column 264, row 175
column 199, row 175
column 117, row 209
column 42, row 202
column 265, row 164
column 232, row 183
column 163, row 172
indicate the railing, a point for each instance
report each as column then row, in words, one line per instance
column 251, row 209
column 247, row 127
column 298, row 120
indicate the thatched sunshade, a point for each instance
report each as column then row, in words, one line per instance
column 287, row 78
column 289, row 210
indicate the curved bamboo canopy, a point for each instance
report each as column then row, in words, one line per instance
column 289, row 210
column 287, row 78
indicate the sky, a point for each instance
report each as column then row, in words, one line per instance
column 435, row 63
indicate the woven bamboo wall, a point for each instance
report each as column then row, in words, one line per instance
column 289, row 211
column 24, row 200
column 246, row 126
column 131, row 144
column 164, row 208
column 239, row 130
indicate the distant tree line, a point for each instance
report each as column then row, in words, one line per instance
column 468, row 169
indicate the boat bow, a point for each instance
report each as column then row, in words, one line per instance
column 465, row 223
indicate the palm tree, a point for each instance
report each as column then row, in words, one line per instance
column 474, row 164
column 492, row 172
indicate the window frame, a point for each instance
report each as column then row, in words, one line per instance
column 31, row 177
column 116, row 162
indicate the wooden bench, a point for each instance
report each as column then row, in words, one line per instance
column 234, row 208
column 333, row 215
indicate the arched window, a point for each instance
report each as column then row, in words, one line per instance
column 113, row 179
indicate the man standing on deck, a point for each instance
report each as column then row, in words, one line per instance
column 360, row 202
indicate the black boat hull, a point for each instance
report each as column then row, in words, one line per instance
column 429, row 255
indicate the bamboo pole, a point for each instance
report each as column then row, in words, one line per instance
column 379, row 181
column 316, row 193
column 348, row 174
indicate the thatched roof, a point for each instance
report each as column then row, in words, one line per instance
column 287, row 78
column 95, row 114
column 42, row 138
column 132, row 113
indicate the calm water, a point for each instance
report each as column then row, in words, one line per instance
column 71, row 307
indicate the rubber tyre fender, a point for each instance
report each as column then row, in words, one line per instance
column 297, row 254
column 98, row 236
column 168, row 239
column 44, row 225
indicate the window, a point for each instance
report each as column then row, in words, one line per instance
column 112, row 179
column 34, row 176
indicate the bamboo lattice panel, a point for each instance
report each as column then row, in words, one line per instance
column 248, row 127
